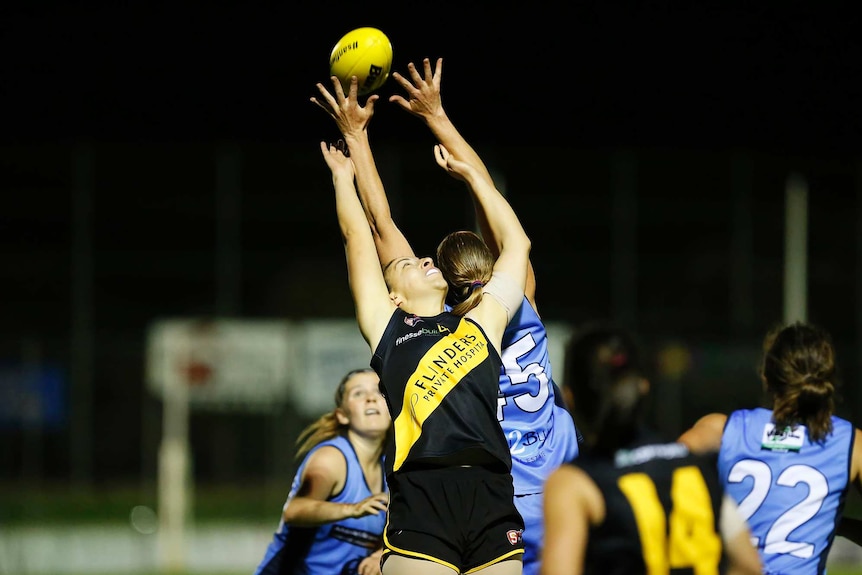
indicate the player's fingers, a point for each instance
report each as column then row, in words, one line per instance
column 438, row 72
column 438, row 156
column 414, row 73
column 426, row 63
column 338, row 90
column 327, row 97
column 403, row 82
column 400, row 101
column 369, row 103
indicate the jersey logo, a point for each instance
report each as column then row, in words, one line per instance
column 783, row 440
column 443, row 329
column 514, row 536
column 412, row 320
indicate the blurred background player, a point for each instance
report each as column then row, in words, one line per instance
column 631, row 503
column 789, row 467
column 335, row 512
column 540, row 431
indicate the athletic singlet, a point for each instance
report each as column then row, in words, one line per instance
column 440, row 377
column 540, row 433
column 662, row 512
column 790, row 490
column 327, row 549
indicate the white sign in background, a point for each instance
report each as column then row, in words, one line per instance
column 221, row 363
column 254, row 365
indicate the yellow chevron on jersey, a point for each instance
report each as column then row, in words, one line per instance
column 438, row 372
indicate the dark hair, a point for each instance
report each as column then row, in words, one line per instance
column 799, row 371
column 327, row 426
column 603, row 371
column 466, row 262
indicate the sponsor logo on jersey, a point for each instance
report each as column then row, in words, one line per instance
column 514, row 536
column 640, row 455
column 786, row 439
column 356, row 537
column 412, row 322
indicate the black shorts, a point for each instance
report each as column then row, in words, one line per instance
column 461, row 517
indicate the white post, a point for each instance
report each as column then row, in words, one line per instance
column 796, row 250
column 174, row 469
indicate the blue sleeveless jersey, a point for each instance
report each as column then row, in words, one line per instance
column 790, row 490
column 333, row 548
column 539, row 429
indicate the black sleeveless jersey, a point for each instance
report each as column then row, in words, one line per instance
column 440, row 377
column 662, row 513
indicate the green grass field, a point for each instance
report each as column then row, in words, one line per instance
column 61, row 506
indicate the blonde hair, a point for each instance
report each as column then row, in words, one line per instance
column 799, row 371
column 466, row 262
column 327, row 425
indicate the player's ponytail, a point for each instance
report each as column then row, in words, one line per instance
column 799, row 371
column 466, row 262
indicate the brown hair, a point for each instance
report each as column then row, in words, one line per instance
column 799, row 372
column 466, row 262
column 327, row 425
column 604, row 372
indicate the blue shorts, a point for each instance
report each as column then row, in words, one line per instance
column 530, row 508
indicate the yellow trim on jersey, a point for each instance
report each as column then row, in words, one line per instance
column 438, row 372
column 497, row 560
column 389, row 548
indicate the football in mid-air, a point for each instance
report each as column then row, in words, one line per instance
column 365, row 53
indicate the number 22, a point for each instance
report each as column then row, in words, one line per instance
column 776, row 537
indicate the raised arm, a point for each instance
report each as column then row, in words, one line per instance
column 510, row 269
column 424, row 101
column 352, row 120
column 370, row 294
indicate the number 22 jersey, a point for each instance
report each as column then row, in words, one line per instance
column 790, row 490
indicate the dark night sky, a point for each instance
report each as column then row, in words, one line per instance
column 776, row 77
column 592, row 73
column 553, row 90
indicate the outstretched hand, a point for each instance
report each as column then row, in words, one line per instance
column 350, row 117
column 453, row 166
column 423, row 93
column 337, row 158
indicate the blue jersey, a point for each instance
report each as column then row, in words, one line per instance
column 540, row 431
column 790, row 490
column 332, row 548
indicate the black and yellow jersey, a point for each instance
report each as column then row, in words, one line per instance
column 440, row 377
column 662, row 512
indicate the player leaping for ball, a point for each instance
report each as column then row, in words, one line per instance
column 539, row 430
column 449, row 468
